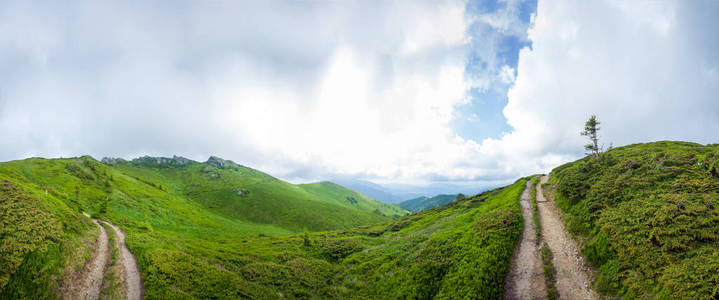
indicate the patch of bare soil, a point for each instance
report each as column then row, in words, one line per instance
column 525, row 279
column 573, row 277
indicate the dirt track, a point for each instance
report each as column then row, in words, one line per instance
column 525, row 279
column 95, row 268
column 572, row 279
column 130, row 272
column 89, row 284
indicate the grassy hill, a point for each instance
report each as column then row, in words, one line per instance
column 422, row 203
column 459, row 249
column 173, row 206
column 184, row 224
column 649, row 218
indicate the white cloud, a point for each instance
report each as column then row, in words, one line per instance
column 640, row 67
column 307, row 90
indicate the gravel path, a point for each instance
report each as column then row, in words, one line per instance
column 130, row 272
column 525, row 279
column 95, row 268
column 572, row 279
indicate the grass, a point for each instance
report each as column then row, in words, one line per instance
column 194, row 236
column 457, row 249
column 549, row 271
column 189, row 215
column 38, row 240
column 535, row 214
column 649, row 218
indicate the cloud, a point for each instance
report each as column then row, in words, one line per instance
column 641, row 67
column 334, row 88
column 369, row 90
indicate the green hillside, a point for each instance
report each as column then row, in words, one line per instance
column 649, row 217
column 458, row 249
column 192, row 241
column 337, row 194
column 173, row 206
column 422, row 203
column 242, row 193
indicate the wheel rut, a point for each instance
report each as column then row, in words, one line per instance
column 573, row 278
column 525, row 279
column 91, row 280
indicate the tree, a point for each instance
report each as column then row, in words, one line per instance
column 591, row 127
column 460, row 197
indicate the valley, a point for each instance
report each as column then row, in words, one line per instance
column 162, row 228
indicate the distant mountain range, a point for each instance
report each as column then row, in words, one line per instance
column 396, row 193
column 423, row 203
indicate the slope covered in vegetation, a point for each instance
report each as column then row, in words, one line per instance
column 172, row 209
column 422, row 203
column 189, row 243
column 649, row 216
column 462, row 248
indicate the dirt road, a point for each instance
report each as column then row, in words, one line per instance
column 525, row 279
column 572, row 279
column 95, row 268
column 90, row 281
column 130, row 273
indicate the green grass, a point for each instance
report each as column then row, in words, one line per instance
column 535, row 214
column 190, row 214
column 192, row 241
column 549, row 271
column 423, row 203
column 649, row 218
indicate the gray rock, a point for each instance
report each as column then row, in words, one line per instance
column 112, row 160
column 217, row 162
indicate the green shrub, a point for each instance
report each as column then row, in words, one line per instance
column 647, row 212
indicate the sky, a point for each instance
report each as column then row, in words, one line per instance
column 402, row 92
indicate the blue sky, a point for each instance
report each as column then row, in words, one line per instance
column 482, row 116
column 411, row 92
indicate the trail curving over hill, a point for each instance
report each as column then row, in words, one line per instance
column 525, row 279
column 573, row 279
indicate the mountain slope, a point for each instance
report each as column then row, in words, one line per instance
column 422, row 203
column 246, row 194
column 459, row 249
column 170, row 208
column 178, row 220
column 649, row 216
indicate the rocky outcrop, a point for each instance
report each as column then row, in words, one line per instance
column 221, row 163
column 112, row 160
column 151, row 161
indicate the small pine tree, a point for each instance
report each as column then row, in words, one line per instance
column 591, row 128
